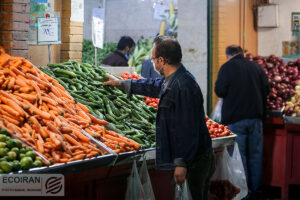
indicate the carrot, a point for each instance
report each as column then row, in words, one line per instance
column 84, row 116
column 54, row 108
column 12, row 74
column 17, row 63
column 48, row 145
column 56, row 156
column 72, row 140
column 55, row 141
column 40, row 146
column 117, row 151
column 63, row 160
column 17, row 72
column 97, row 121
column 57, row 122
column 38, row 91
column 10, row 110
column 11, row 120
column 11, row 83
column 81, row 136
column 91, row 147
column 92, row 133
column 12, row 103
column 65, row 129
column 45, row 107
column 25, row 89
column 28, row 97
column 49, row 101
column 35, row 111
column 54, row 129
column 4, row 85
column 21, row 82
column 37, row 80
column 78, row 157
column 68, row 108
column 55, row 91
column 65, row 155
column 77, row 153
column 64, row 93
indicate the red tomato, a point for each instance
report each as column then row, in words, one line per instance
column 221, row 126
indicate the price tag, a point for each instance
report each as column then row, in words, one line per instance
column 98, row 27
column 48, row 30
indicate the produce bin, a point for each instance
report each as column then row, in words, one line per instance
column 281, row 159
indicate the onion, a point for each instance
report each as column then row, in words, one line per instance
column 277, row 79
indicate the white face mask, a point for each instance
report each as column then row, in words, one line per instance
column 159, row 71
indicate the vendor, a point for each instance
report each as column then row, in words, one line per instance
column 121, row 56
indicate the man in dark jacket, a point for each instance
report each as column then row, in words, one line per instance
column 148, row 70
column 121, row 56
column 183, row 142
column 244, row 87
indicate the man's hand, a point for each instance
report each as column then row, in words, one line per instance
column 179, row 175
column 112, row 81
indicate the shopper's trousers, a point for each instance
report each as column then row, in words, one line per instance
column 250, row 142
column 199, row 176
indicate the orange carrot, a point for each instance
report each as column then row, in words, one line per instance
column 97, row 121
column 38, row 91
column 55, row 141
column 72, row 140
column 78, row 157
column 63, row 160
column 49, row 101
column 81, row 136
column 83, row 107
column 56, row 156
column 29, row 97
column 37, row 80
column 10, row 110
column 11, row 83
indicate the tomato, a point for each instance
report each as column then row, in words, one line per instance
column 220, row 130
column 221, row 126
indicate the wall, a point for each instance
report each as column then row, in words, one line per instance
column 270, row 39
column 124, row 17
column 192, row 35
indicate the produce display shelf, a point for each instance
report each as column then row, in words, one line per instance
column 223, row 141
column 291, row 120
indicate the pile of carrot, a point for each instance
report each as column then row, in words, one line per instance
column 42, row 114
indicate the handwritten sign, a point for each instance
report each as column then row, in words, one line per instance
column 77, row 11
column 48, row 30
column 98, row 27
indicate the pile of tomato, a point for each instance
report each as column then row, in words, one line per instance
column 148, row 100
column 151, row 101
column 134, row 76
column 217, row 130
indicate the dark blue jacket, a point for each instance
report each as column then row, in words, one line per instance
column 244, row 87
column 181, row 132
column 148, row 70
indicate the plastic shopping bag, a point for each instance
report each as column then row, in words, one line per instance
column 146, row 182
column 182, row 192
column 216, row 115
column 229, row 180
column 135, row 189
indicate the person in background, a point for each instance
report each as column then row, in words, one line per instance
column 121, row 56
column 148, row 70
column 183, row 143
column 244, row 87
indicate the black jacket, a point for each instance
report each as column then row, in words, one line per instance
column 181, row 131
column 115, row 59
column 244, row 87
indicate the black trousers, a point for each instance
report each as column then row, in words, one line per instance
column 199, row 176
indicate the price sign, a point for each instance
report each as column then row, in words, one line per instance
column 48, row 30
column 98, row 27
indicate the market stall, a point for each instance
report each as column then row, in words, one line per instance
column 60, row 126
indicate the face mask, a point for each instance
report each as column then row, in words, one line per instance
column 159, row 71
column 127, row 56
